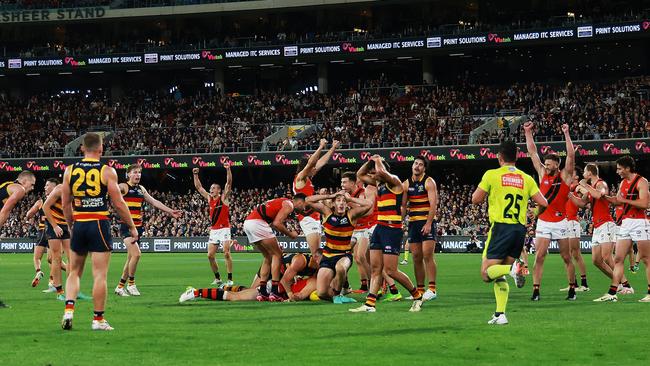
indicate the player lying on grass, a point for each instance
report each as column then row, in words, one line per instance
column 298, row 278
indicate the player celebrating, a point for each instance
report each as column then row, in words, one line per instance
column 135, row 195
column 386, row 240
column 338, row 224
column 259, row 225
column 508, row 190
column 310, row 220
column 593, row 191
column 574, row 233
column 219, row 202
column 552, row 223
column 422, row 201
column 87, row 184
column 58, row 237
column 633, row 223
column 10, row 194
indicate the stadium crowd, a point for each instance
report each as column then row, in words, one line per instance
column 359, row 117
column 455, row 218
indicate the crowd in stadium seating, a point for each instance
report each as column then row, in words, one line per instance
column 369, row 117
column 457, row 216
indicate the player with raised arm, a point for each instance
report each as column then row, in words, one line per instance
column 552, row 223
column 386, row 240
column 421, row 201
column 135, row 196
column 310, row 220
column 508, row 190
column 632, row 201
column 338, row 223
column 258, row 226
column 219, row 201
column 10, row 194
column 87, row 186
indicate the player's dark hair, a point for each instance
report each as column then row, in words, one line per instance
column 92, row 141
column 133, row 167
column 424, row 161
column 554, row 157
column 300, row 196
column 56, row 181
column 352, row 176
column 627, row 162
column 508, row 151
column 592, row 168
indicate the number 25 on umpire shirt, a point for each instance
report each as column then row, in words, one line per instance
column 509, row 190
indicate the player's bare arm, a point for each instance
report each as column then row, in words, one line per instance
column 569, row 165
column 278, row 222
column 110, row 177
column 197, row 184
column 642, row 201
column 432, row 195
column 363, row 173
column 66, row 197
column 315, row 203
column 532, row 149
column 306, row 172
column 297, row 263
column 227, row 189
column 34, row 209
column 159, row 205
column 323, row 160
column 363, row 207
column 17, row 193
column 393, row 182
column 47, row 209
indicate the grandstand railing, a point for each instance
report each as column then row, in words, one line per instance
column 261, row 40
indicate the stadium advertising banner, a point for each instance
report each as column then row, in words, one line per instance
column 343, row 49
column 446, row 244
column 584, row 149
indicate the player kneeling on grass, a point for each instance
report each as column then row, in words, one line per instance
column 338, row 223
column 508, row 190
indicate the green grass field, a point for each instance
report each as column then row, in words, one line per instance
column 155, row 330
